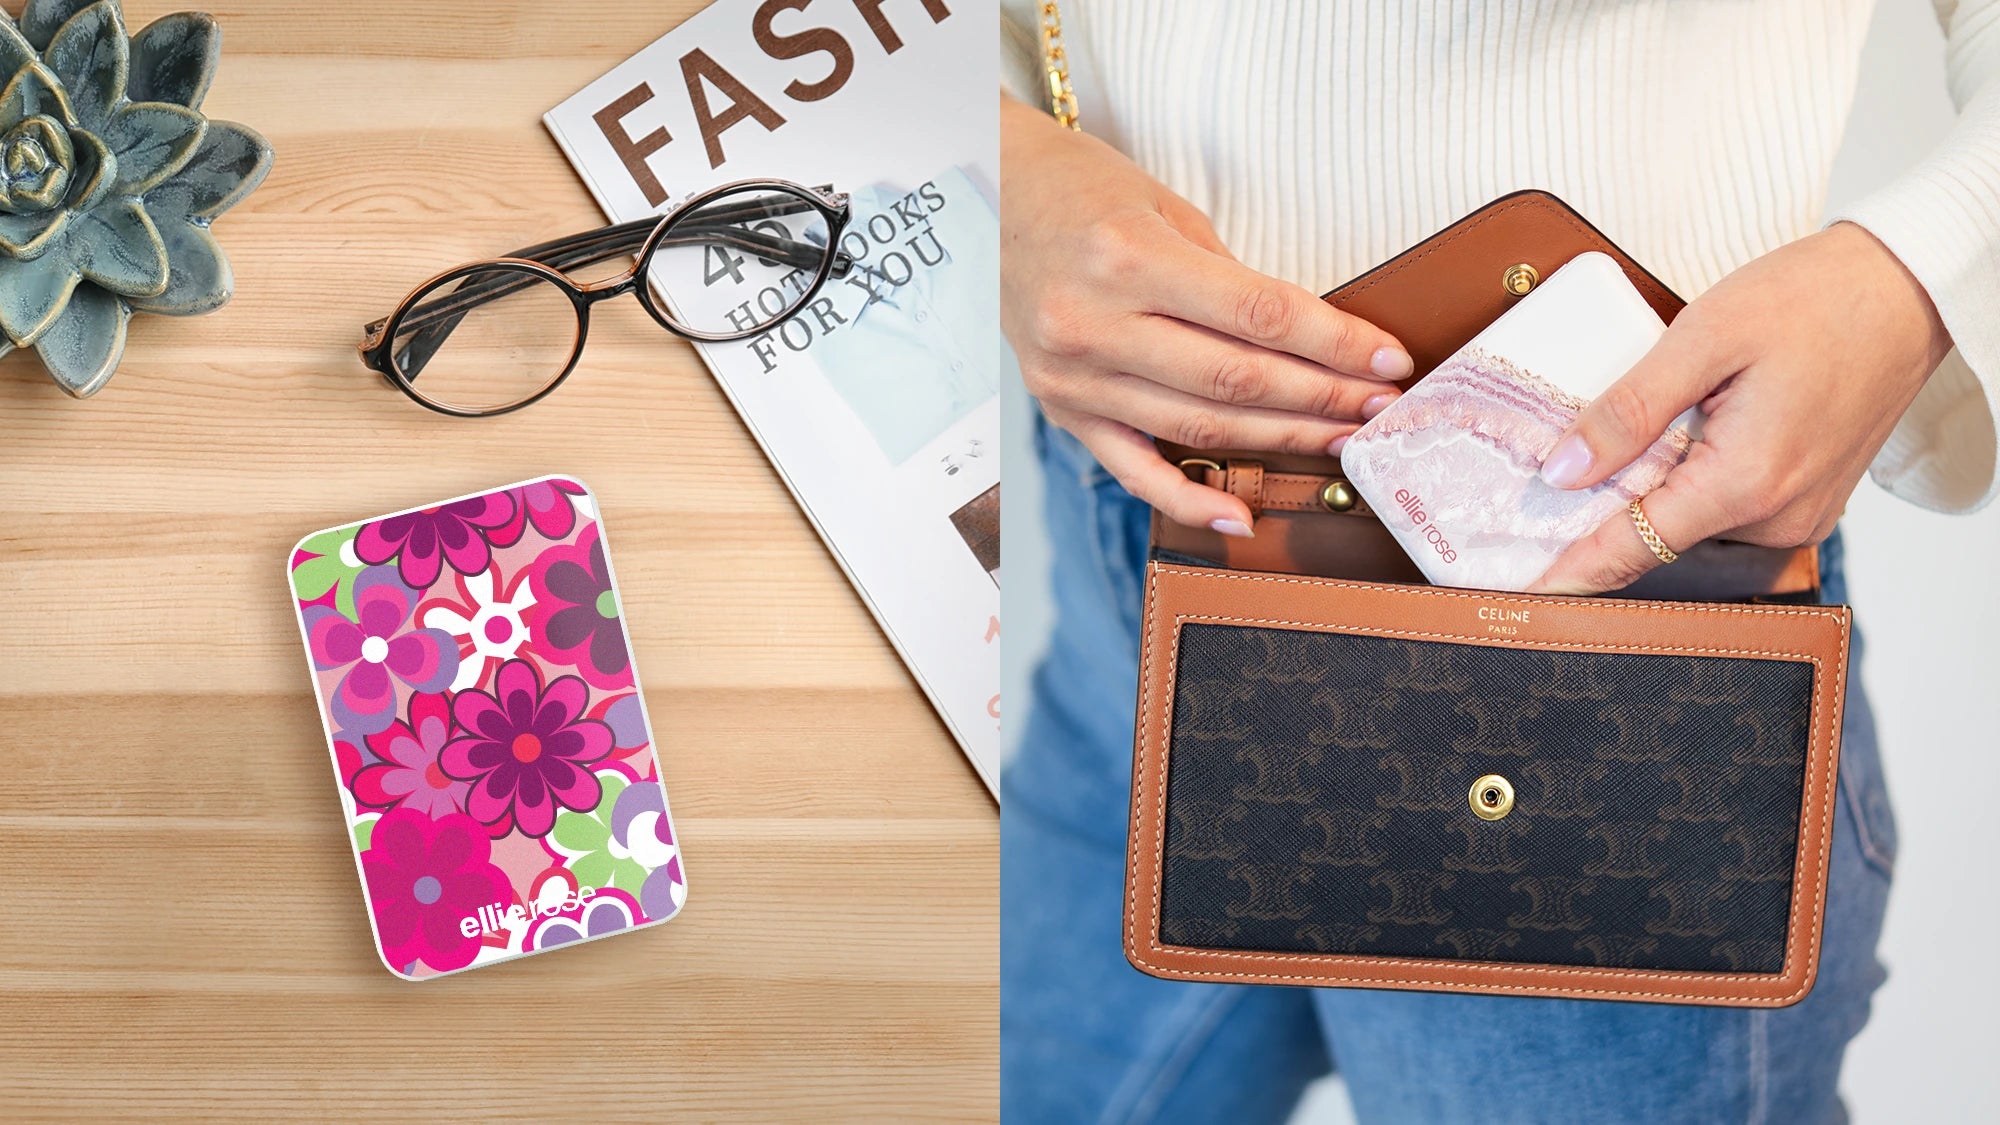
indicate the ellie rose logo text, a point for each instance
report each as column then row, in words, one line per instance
column 493, row 917
column 1413, row 506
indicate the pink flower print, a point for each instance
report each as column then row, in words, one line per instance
column 375, row 651
column 422, row 542
column 424, row 876
column 346, row 757
column 547, row 505
column 575, row 618
column 526, row 749
column 490, row 629
column 408, row 775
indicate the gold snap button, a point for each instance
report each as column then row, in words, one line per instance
column 1519, row 279
column 1492, row 797
column 1337, row 495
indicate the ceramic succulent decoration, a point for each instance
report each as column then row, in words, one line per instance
column 109, row 179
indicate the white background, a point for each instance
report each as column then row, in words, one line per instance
column 1923, row 589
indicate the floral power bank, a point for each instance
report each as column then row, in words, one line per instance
column 1453, row 466
column 494, row 758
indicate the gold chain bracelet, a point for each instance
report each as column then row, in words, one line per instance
column 1055, row 63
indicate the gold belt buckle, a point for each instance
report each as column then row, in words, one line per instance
column 1197, row 463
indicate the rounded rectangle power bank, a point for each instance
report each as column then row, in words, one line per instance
column 488, row 734
column 1453, row 466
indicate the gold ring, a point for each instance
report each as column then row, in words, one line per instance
column 1654, row 543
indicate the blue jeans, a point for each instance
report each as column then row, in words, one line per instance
column 1088, row 1038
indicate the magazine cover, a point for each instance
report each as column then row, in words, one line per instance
column 879, row 402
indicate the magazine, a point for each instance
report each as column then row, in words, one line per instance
column 879, row 405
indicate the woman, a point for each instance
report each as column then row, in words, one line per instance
column 1158, row 277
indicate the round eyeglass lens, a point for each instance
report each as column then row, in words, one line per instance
column 486, row 339
column 737, row 264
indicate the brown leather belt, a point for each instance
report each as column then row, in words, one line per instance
column 1264, row 491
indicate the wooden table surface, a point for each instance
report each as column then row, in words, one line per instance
column 181, row 929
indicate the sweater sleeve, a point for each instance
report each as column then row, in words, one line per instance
column 1942, row 219
column 1021, row 52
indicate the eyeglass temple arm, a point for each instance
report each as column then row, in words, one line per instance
column 740, row 213
column 435, row 320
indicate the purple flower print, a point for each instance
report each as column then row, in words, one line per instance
column 424, row 541
column 639, row 827
column 608, row 911
column 527, row 749
column 424, row 877
column 575, row 616
column 628, row 722
column 377, row 650
column 408, row 775
column 629, row 737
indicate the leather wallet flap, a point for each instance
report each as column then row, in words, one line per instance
column 1434, row 298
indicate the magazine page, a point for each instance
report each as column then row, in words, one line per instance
column 878, row 401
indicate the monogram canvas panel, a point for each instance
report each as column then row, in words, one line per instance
column 1317, row 801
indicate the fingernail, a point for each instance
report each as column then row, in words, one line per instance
column 1566, row 463
column 1391, row 363
column 1376, row 405
column 1334, row 447
column 1237, row 528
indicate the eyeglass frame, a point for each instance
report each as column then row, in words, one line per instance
column 548, row 261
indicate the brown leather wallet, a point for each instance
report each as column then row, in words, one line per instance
column 1343, row 776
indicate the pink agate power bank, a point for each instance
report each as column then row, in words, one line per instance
column 494, row 758
column 1452, row 467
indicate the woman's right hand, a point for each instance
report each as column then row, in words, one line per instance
column 1130, row 318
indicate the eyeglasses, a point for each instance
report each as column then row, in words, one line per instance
column 727, row 264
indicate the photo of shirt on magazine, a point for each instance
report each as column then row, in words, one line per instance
column 878, row 401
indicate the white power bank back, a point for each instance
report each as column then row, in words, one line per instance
column 1452, row 467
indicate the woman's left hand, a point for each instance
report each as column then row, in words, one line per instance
column 1803, row 361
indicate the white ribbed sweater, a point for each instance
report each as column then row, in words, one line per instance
column 1323, row 137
